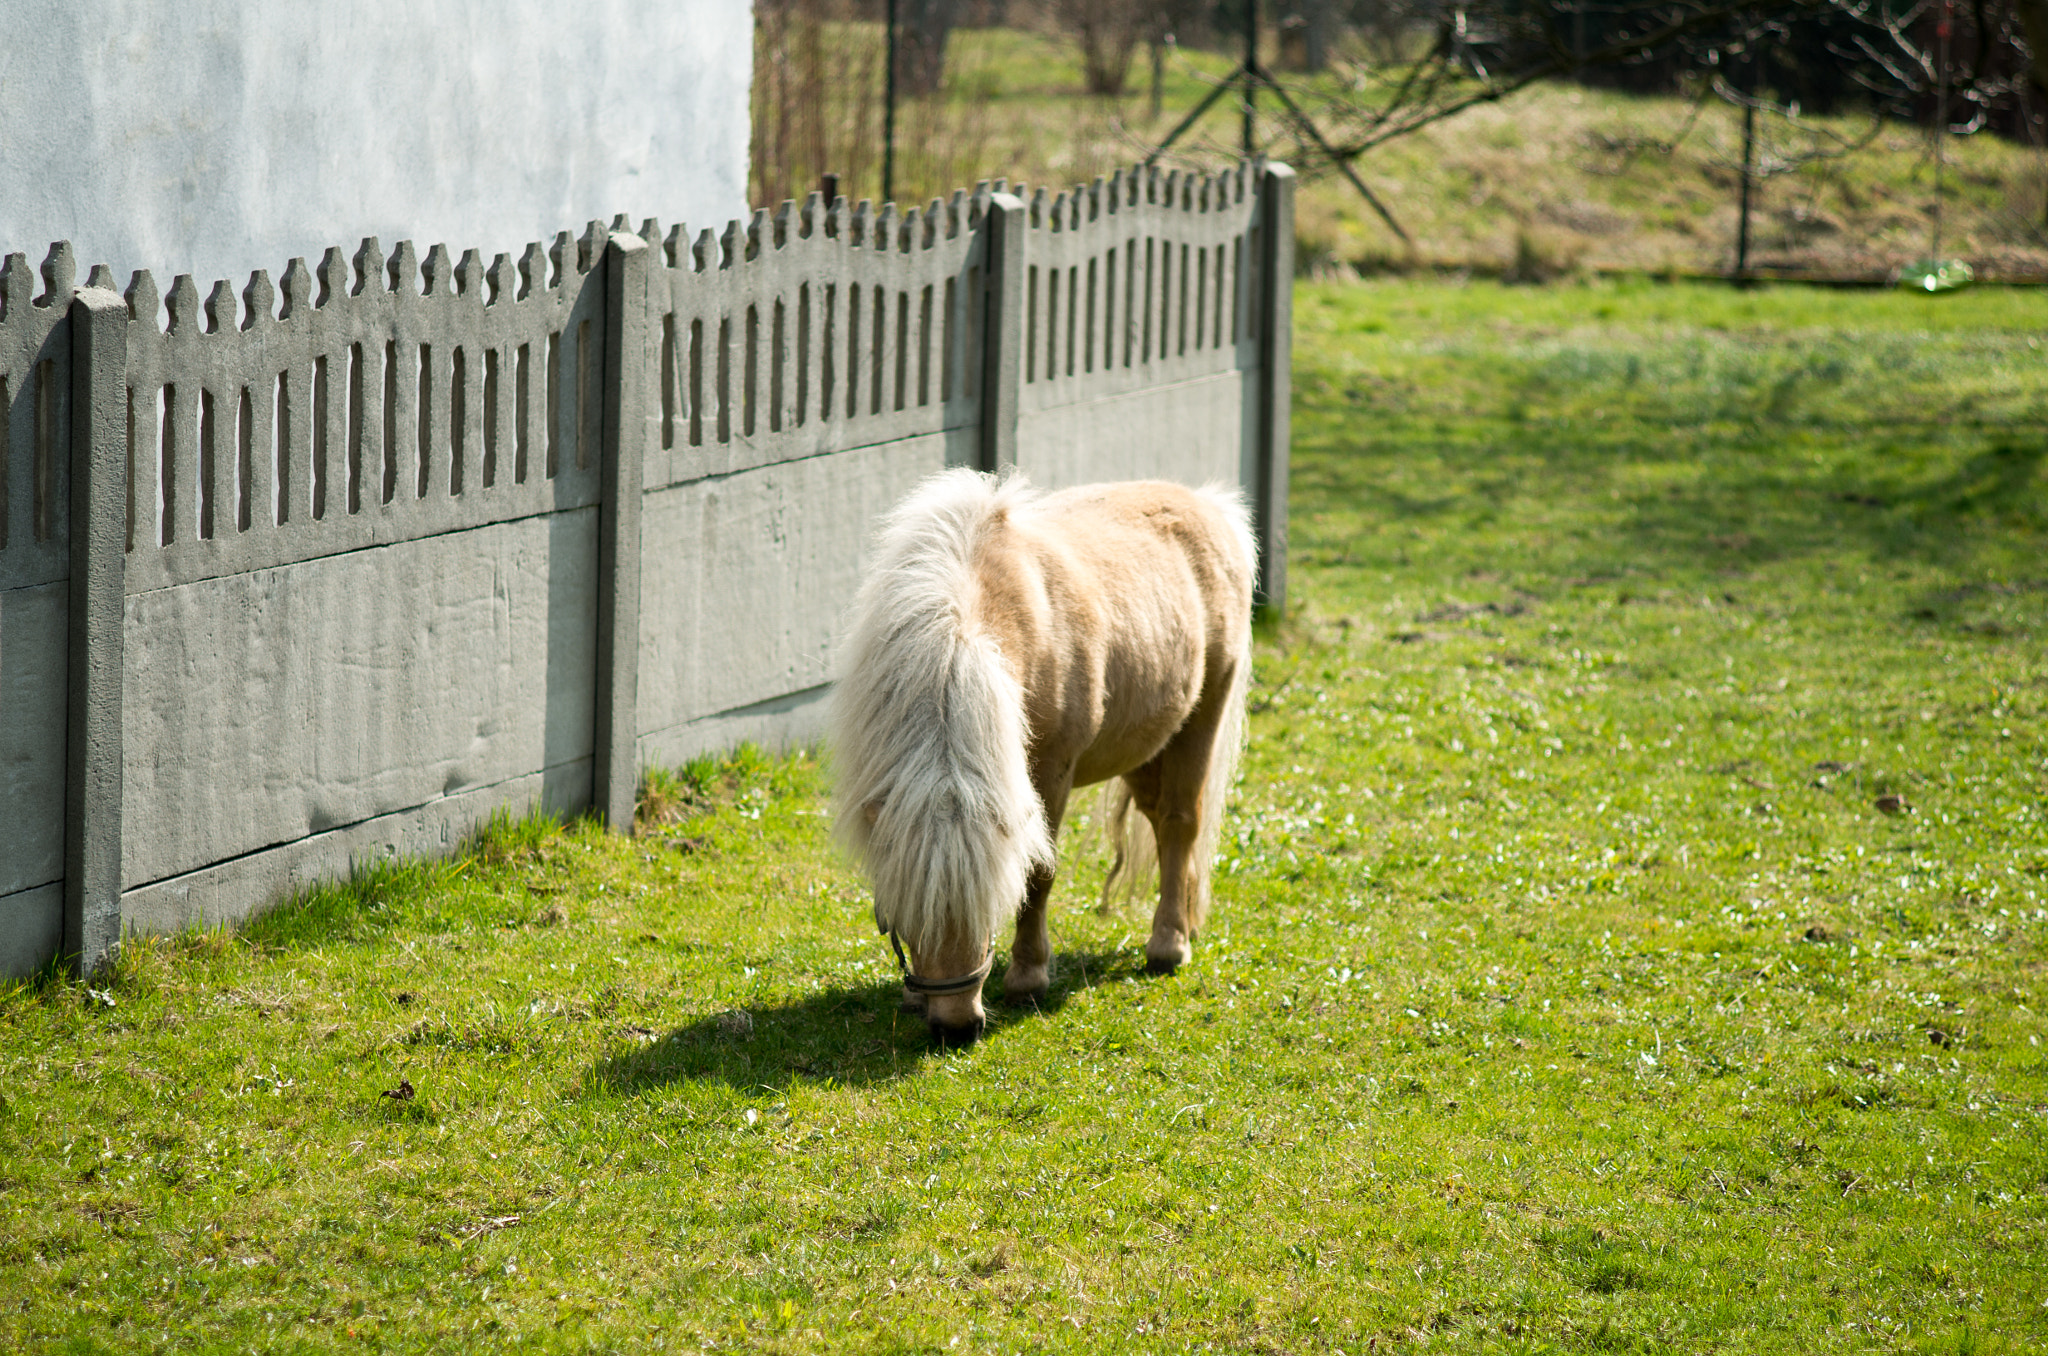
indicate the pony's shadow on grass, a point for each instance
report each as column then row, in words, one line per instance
column 848, row 1034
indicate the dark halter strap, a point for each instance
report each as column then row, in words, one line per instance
column 938, row 988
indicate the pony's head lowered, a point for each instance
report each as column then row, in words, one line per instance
column 934, row 796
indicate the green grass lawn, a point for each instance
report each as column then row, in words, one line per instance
column 1630, row 936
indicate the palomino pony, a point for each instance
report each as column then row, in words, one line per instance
column 1006, row 647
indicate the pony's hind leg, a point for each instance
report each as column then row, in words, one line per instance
column 1173, row 832
column 1170, row 791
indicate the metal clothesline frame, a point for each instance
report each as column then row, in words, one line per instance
column 1248, row 77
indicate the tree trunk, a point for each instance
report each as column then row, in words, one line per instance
column 1320, row 27
column 2034, row 19
column 1158, row 73
column 923, row 27
column 1106, row 50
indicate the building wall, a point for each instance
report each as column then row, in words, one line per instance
column 214, row 137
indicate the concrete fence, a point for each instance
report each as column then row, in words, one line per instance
column 332, row 570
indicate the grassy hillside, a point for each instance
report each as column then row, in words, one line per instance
column 1555, row 179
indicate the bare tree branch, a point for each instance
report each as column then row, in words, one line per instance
column 1384, row 128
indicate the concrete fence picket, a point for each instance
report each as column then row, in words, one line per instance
column 335, row 567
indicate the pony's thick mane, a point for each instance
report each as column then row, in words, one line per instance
column 934, row 793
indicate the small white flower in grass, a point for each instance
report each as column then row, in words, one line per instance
column 752, row 1115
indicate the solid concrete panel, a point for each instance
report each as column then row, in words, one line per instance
column 744, row 578
column 1189, row 432
column 32, row 706
column 777, row 725
column 234, row 890
column 269, row 706
column 31, row 928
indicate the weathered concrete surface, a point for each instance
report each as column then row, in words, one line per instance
column 1191, row 432
column 226, row 135
column 616, row 730
column 269, row 706
column 235, row 890
column 32, row 706
column 743, row 582
column 777, row 725
column 31, row 928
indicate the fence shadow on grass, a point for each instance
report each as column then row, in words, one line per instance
column 1754, row 507
column 849, row 1034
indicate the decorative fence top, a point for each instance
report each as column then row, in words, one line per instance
column 383, row 397
column 162, row 450
column 1140, row 278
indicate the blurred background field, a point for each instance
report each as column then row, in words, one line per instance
column 1556, row 179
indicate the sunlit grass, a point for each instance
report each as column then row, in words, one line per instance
column 1629, row 937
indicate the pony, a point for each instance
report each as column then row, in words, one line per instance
column 1006, row 646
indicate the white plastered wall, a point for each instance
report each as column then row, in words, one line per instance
column 214, row 137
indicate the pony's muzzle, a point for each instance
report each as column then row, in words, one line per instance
column 946, row 1036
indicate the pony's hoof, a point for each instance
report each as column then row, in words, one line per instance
column 1021, row 986
column 1165, row 960
column 957, row 1037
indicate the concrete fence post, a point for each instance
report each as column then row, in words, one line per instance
column 1003, row 338
column 99, row 546
column 615, row 779
column 1276, row 345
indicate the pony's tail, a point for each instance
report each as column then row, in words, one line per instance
column 1135, row 852
column 1233, row 730
column 1230, row 741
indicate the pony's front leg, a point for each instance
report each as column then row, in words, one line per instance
column 1030, row 972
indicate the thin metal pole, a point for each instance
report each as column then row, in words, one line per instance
column 1251, row 70
column 1748, row 161
column 889, row 116
column 1941, row 32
